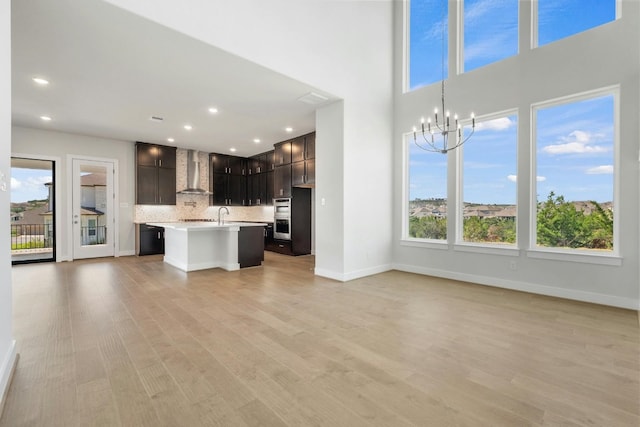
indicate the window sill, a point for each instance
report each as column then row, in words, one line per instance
column 572, row 256
column 424, row 243
column 507, row 250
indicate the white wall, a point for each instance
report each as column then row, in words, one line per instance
column 7, row 344
column 607, row 55
column 59, row 144
column 344, row 48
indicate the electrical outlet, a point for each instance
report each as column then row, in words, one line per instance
column 513, row 265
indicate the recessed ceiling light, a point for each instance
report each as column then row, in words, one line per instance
column 171, row 140
column 213, row 110
column 233, row 150
column 46, row 118
column 188, row 127
column 257, row 140
column 40, row 81
column 288, row 129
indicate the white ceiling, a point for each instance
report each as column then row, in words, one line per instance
column 110, row 71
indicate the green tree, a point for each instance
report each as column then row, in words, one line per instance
column 561, row 224
column 428, row 227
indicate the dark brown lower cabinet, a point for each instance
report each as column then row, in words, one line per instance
column 250, row 246
column 149, row 240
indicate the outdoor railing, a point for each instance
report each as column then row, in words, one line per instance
column 31, row 236
column 39, row 236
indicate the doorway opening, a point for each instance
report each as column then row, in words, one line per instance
column 32, row 210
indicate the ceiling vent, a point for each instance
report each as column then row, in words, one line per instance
column 156, row 119
column 313, row 98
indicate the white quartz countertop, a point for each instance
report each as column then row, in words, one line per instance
column 205, row 225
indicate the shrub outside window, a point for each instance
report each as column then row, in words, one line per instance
column 575, row 165
column 427, row 203
column 489, row 182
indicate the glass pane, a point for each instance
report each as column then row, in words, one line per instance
column 558, row 19
column 489, row 181
column 490, row 31
column 427, row 193
column 427, row 21
column 93, row 205
column 575, row 167
column 32, row 210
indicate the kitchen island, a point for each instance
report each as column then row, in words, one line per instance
column 192, row 246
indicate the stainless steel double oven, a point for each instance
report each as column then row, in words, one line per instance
column 282, row 219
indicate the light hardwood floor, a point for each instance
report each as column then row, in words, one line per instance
column 133, row 342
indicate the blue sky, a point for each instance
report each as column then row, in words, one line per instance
column 28, row 184
column 574, row 143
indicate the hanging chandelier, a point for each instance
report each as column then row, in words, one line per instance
column 436, row 137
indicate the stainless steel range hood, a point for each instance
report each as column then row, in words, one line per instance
column 193, row 175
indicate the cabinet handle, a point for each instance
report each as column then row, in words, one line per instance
column 229, row 170
column 160, row 162
column 258, row 202
column 158, row 235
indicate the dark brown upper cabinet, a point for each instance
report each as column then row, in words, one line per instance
column 155, row 174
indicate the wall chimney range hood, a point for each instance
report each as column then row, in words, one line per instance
column 193, row 175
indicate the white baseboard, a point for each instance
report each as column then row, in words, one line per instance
column 352, row 275
column 534, row 288
column 131, row 252
column 6, row 373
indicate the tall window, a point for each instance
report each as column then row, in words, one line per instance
column 489, row 164
column 558, row 19
column 427, row 19
column 490, row 31
column 427, row 193
column 575, row 173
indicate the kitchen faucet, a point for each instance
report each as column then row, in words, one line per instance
column 220, row 218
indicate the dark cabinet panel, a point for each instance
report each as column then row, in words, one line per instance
column 218, row 186
column 310, row 172
column 282, row 181
column 250, row 246
column 166, row 186
column 222, row 163
column 257, row 189
column 268, row 197
column 282, row 153
column 237, row 190
column 149, row 240
column 297, row 149
column 237, row 165
column 155, row 174
column 310, row 146
column 297, row 173
column 303, row 174
column 227, row 180
column 146, row 185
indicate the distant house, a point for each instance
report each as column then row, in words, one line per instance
column 93, row 202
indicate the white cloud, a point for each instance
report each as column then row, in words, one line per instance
column 600, row 170
column 15, row 184
column 514, row 178
column 576, row 143
column 502, row 123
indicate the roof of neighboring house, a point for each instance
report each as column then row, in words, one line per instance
column 93, row 179
column 32, row 216
column 90, row 211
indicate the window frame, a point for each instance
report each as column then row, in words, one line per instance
column 406, row 240
column 460, row 243
column 535, row 32
column 461, row 39
column 569, row 254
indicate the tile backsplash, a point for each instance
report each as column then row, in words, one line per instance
column 193, row 206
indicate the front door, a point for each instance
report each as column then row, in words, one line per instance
column 92, row 209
